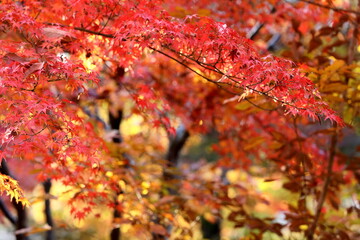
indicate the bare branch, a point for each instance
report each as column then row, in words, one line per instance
column 336, row 9
column 312, row 229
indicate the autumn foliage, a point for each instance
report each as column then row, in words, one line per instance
column 184, row 116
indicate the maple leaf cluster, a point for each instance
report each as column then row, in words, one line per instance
column 64, row 62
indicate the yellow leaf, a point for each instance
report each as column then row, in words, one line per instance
column 243, row 105
column 276, row 145
column 232, row 176
column 204, row 12
column 210, row 217
column 11, row 187
column 254, row 142
column 232, row 193
column 336, row 65
column 182, row 222
column 303, row 227
column 334, row 87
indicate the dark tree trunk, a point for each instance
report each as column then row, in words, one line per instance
column 21, row 221
column 115, row 121
column 115, row 232
column 7, row 212
column 210, row 230
column 176, row 143
column 50, row 233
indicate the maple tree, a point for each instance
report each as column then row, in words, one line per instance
column 73, row 73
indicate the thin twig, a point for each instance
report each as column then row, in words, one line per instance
column 108, row 20
column 260, row 107
column 230, row 85
column 94, row 32
column 81, row 29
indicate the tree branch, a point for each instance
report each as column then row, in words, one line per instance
column 219, row 84
column 257, row 27
column 336, row 9
column 176, row 144
column 312, row 228
column 81, row 29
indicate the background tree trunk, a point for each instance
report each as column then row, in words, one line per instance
column 21, row 221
